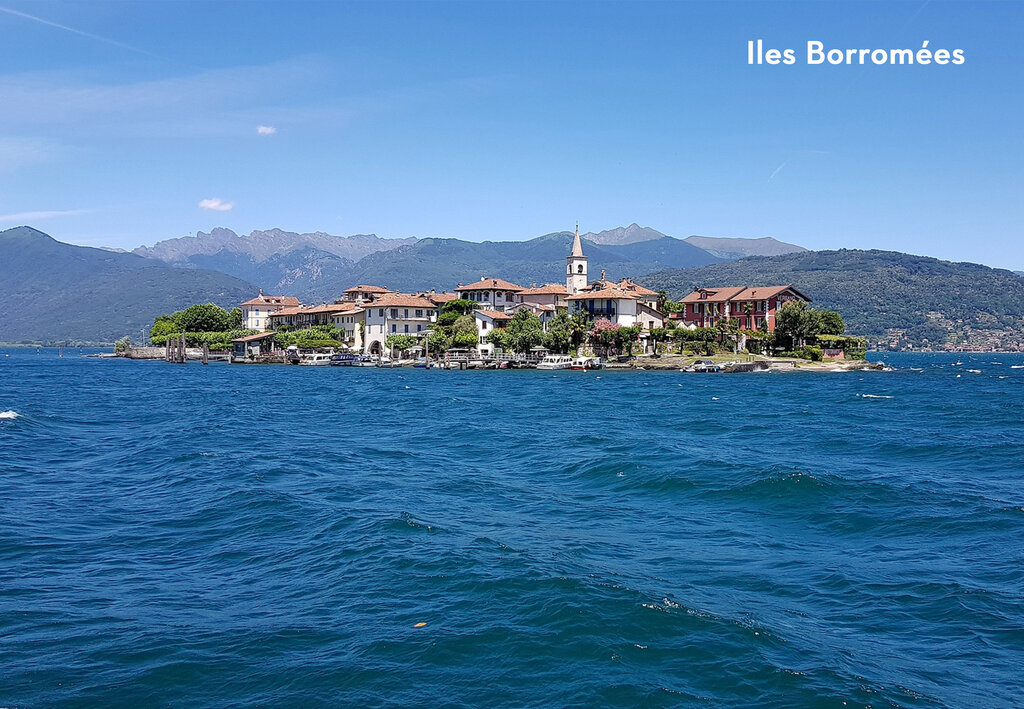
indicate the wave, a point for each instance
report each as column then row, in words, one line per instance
column 9, row 414
column 874, row 396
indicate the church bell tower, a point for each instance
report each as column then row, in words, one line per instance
column 576, row 270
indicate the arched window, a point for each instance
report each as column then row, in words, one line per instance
column 579, row 269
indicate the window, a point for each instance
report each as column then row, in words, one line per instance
column 419, row 313
column 381, row 312
column 394, row 328
column 483, row 325
column 418, row 328
column 394, row 312
column 405, row 313
column 579, row 269
column 406, row 329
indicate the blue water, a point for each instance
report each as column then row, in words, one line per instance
column 270, row 536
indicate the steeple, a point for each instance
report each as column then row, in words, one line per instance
column 576, row 269
column 577, row 247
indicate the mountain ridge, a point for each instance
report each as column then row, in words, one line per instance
column 58, row 292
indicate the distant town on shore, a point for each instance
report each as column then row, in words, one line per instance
column 496, row 321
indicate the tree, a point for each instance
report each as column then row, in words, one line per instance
column 465, row 324
column 560, row 332
column 460, row 306
column 439, row 341
column 468, row 340
column 579, row 327
column 499, row 338
column 236, row 319
column 163, row 326
column 400, row 342
column 205, row 317
column 122, row 345
column 662, row 300
column 831, row 323
column 660, row 334
column 627, row 337
column 798, row 322
column 447, row 319
column 524, row 331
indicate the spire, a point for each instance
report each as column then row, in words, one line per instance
column 577, row 247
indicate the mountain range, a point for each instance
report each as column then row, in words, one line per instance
column 57, row 292
column 311, row 266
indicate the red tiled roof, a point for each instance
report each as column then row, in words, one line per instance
column 438, row 298
column 316, row 309
column 714, row 295
column 628, row 284
column 766, row 292
column 494, row 314
column 402, row 300
column 489, row 284
column 546, row 289
column 609, row 293
column 366, row 289
column 721, row 295
column 283, row 300
column 253, row 338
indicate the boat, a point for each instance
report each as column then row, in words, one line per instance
column 317, row 359
column 366, row 361
column 422, row 363
column 586, row 363
column 344, row 359
column 555, row 362
column 704, row 365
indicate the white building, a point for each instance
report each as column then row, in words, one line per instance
column 487, row 321
column 396, row 314
column 256, row 312
column 493, row 293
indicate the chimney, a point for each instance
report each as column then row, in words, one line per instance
column 602, row 274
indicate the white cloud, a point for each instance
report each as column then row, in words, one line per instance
column 26, row 217
column 216, row 204
column 266, row 130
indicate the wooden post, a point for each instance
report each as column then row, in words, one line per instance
column 206, row 353
column 167, row 350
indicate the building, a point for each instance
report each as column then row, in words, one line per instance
column 252, row 346
column 362, row 294
column 553, row 294
column 353, row 323
column 304, row 316
column 396, row 314
column 256, row 312
column 753, row 308
column 486, row 322
column 492, row 293
column 623, row 302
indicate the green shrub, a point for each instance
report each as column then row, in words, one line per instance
column 812, row 353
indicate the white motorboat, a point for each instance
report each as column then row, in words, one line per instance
column 555, row 362
column 318, row 359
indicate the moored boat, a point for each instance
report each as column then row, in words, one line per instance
column 345, row 359
column 317, row 359
column 555, row 362
column 586, row 363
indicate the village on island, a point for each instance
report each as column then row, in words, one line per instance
column 493, row 323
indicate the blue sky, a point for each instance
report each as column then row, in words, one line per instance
column 507, row 121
